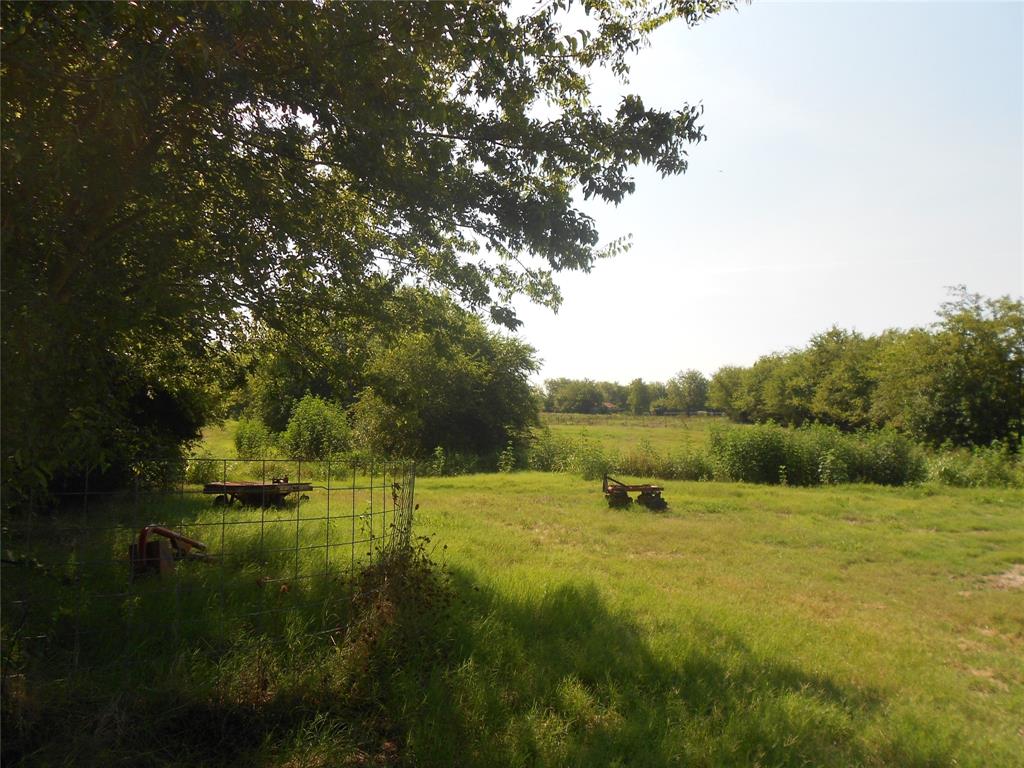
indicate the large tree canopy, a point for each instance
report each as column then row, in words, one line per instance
column 169, row 170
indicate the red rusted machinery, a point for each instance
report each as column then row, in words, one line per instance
column 158, row 555
column 618, row 492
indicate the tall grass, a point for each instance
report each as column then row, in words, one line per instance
column 764, row 453
column 226, row 662
column 993, row 465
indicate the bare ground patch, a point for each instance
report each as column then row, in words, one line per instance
column 1011, row 579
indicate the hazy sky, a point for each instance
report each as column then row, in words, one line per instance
column 861, row 157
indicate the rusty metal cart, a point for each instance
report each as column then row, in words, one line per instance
column 252, row 494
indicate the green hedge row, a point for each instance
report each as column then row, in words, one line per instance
column 768, row 453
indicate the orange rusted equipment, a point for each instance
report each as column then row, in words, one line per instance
column 158, row 556
column 618, row 492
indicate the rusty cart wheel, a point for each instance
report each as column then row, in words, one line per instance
column 653, row 501
column 618, row 500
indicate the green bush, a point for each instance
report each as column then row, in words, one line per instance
column 253, row 440
column 688, row 465
column 889, row 458
column 754, row 454
column 993, row 465
column 203, row 469
column 542, row 453
column 508, row 459
column 582, row 457
column 444, row 463
column 587, row 459
column 643, row 461
column 318, row 430
column 815, row 454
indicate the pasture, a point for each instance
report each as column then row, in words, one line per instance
column 625, row 432
column 748, row 625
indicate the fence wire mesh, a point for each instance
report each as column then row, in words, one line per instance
column 281, row 542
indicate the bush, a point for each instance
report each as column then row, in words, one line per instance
column 689, row 465
column 252, row 439
column 991, row 465
column 889, row 458
column 584, row 458
column 755, row 454
column 507, row 459
column 542, row 453
column 317, row 430
column 203, row 469
column 815, row 454
column 444, row 463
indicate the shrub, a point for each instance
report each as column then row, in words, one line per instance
column 753, row 455
column 318, row 429
column 889, row 458
column 688, row 465
column 542, row 453
column 252, row 439
column 815, row 454
column 203, row 469
column 507, row 459
column 643, row 461
column 587, row 460
column 991, row 465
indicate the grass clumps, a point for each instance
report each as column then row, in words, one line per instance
column 261, row 683
column 993, row 465
column 762, row 453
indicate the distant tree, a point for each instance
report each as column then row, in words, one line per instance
column 456, row 385
column 961, row 382
column 724, row 390
column 639, row 399
column 688, row 391
column 574, row 396
column 787, row 389
column 840, row 364
column 614, row 393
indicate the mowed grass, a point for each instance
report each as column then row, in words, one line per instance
column 747, row 626
column 624, row 432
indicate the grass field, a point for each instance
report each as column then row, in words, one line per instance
column 624, row 432
column 611, row 431
column 748, row 625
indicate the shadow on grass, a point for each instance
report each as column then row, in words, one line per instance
column 564, row 680
column 412, row 678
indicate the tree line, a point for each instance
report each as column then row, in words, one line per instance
column 686, row 392
column 956, row 382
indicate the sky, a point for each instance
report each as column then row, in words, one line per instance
column 861, row 157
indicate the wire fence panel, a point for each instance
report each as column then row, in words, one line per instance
column 194, row 559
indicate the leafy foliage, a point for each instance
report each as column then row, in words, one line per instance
column 317, row 430
column 959, row 381
column 252, row 439
column 688, row 391
column 574, row 396
column 173, row 173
